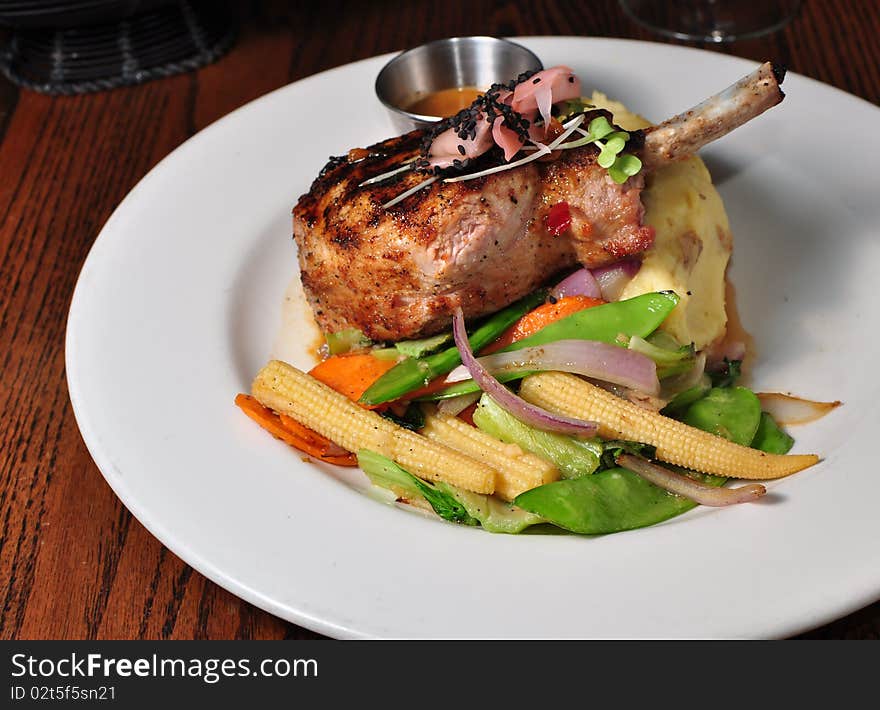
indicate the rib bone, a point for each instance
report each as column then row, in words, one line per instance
column 684, row 134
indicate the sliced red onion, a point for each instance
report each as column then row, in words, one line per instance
column 518, row 407
column 456, row 405
column 614, row 278
column 544, row 89
column 590, row 358
column 580, row 283
column 509, row 140
column 689, row 488
column 445, row 147
column 543, row 150
column 787, row 410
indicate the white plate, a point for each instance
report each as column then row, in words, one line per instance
column 179, row 303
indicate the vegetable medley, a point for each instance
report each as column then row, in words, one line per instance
column 562, row 409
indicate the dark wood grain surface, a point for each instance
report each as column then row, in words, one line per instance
column 73, row 561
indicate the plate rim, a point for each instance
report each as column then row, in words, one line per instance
column 178, row 546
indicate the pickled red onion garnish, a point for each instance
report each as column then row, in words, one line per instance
column 544, row 89
column 509, row 140
column 488, row 121
column 449, row 146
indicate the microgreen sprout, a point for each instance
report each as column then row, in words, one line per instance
column 611, row 143
column 625, row 166
column 570, row 108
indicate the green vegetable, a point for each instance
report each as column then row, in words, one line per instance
column 383, row 472
column 495, row 515
column 449, row 502
column 573, row 457
column 599, row 128
column 413, row 373
column 679, row 404
column 444, row 503
column 413, row 418
column 346, row 340
column 770, row 437
column 607, row 156
column 571, row 108
column 615, row 447
column 731, row 412
column 614, row 499
column 670, row 358
column 728, row 374
column 385, row 353
column 625, row 166
column 425, row 346
column 606, row 502
column 468, row 386
column 611, row 143
column 613, row 323
column 616, row 141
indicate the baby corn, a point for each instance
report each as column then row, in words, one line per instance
column 518, row 471
column 676, row 443
column 290, row 391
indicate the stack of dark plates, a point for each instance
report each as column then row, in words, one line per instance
column 92, row 45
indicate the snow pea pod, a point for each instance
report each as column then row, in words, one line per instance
column 424, row 346
column 606, row 502
column 731, row 412
column 680, row 403
column 638, row 316
column 770, row 437
column 635, row 316
column 413, row 373
column 617, row 499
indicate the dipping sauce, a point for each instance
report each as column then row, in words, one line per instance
column 445, row 102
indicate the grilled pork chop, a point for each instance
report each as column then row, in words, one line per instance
column 398, row 272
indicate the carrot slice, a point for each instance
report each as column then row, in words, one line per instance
column 292, row 432
column 351, row 374
column 540, row 317
column 467, row 414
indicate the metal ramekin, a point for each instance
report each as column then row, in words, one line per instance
column 446, row 64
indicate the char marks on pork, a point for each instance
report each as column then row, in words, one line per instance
column 400, row 272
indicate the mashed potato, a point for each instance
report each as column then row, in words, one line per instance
column 692, row 245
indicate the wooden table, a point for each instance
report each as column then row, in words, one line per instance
column 73, row 562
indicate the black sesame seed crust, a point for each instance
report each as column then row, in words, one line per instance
column 465, row 125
